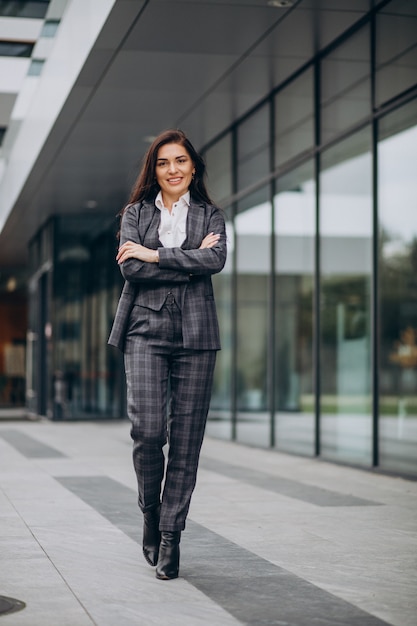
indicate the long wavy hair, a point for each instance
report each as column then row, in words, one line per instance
column 146, row 188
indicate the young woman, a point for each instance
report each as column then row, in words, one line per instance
column 172, row 239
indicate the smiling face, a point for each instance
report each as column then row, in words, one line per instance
column 174, row 172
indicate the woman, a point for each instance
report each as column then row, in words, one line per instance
column 172, row 239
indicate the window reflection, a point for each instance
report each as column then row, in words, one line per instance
column 219, row 423
column 346, row 85
column 396, row 49
column 397, row 156
column 294, row 118
column 253, row 148
column 294, row 208
column 86, row 375
column 219, row 167
column 13, row 348
column 346, row 268
column 253, row 227
column 40, row 332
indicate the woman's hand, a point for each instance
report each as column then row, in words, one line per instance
column 131, row 250
column 209, row 241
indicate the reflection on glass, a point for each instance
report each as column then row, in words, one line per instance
column 40, row 335
column 346, row 267
column 218, row 160
column 346, row 85
column 13, row 316
column 294, row 207
column 253, row 227
column 86, row 374
column 253, row 148
column 397, row 200
column 396, row 49
column 294, row 118
column 219, row 423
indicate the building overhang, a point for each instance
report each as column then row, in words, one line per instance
column 121, row 71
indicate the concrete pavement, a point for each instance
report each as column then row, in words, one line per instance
column 272, row 539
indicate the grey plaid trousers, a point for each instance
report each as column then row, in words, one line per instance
column 156, row 362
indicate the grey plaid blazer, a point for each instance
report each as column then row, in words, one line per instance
column 147, row 284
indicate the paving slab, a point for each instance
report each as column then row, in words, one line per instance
column 272, row 539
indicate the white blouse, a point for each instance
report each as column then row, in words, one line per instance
column 172, row 229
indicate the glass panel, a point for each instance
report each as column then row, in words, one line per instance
column 99, row 379
column 39, row 336
column 397, row 200
column 218, row 159
column 346, row 266
column 346, row 85
column 13, row 327
column 219, row 423
column 49, row 28
column 31, row 352
column 253, row 231
column 294, row 207
column 294, row 118
column 253, row 148
column 396, row 49
column 36, row 67
column 87, row 282
column 15, row 49
column 22, row 8
column 70, row 275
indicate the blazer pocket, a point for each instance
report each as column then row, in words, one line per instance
column 138, row 320
column 153, row 300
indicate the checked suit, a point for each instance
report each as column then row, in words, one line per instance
column 166, row 325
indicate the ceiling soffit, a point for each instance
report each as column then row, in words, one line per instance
column 156, row 64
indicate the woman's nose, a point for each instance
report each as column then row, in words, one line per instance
column 172, row 167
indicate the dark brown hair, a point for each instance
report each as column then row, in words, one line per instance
column 146, row 187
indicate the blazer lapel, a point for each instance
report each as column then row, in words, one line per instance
column 195, row 226
column 149, row 220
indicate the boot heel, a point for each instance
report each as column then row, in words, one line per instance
column 169, row 555
column 151, row 535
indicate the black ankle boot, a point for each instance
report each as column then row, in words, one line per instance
column 151, row 535
column 169, row 555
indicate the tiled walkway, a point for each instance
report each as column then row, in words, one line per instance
column 272, row 539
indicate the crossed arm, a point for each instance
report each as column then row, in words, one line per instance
column 132, row 250
column 141, row 264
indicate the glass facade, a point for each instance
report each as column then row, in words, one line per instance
column 24, row 8
column 15, row 49
column 345, row 88
column 345, row 299
column 294, row 126
column 73, row 296
column 396, row 50
column 253, row 137
column 294, row 230
column 322, row 276
column 13, row 315
column 253, row 261
column 222, row 410
column 318, row 301
column 397, row 202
